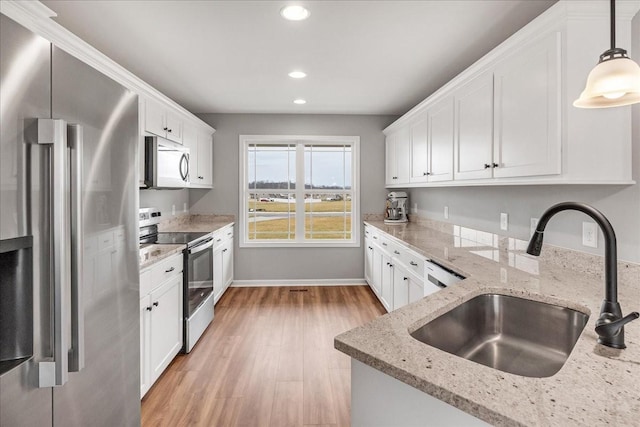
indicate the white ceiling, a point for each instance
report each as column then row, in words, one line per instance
column 362, row 57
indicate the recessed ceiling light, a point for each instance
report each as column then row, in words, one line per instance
column 299, row 101
column 297, row 74
column 294, row 13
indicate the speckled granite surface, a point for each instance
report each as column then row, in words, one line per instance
column 196, row 223
column 150, row 254
column 596, row 386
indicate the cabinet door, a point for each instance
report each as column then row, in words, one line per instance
column 204, row 161
column 403, row 156
column 474, row 129
column 527, row 138
column 145, row 344
column 227, row 263
column 419, row 151
column 174, row 127
column 368, row 261
column 390, row 160
column 400, row 287
column 386, row 292
column 416, row 289
column 441, row 127
column 154, row 119
column 218, row 273
column 376, row 270
column 166, row 325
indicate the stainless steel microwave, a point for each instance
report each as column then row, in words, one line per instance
column 166, row 163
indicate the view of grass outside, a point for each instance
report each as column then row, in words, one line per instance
column 276, row 220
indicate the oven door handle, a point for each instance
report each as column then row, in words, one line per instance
column 202, row 246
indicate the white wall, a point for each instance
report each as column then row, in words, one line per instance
column 292, row 263
column 480, row 207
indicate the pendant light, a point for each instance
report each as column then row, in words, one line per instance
column 615, row 81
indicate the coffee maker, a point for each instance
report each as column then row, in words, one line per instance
column 396, row 211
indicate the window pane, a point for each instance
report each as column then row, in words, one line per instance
column 327, row 166
column 271, row 216
column 328, row 216
column 271, row 166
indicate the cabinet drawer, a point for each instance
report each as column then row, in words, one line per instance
column 166, row 269
column 413, row 261
column 391, row 247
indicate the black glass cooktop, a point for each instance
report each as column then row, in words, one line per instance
column 177, row 237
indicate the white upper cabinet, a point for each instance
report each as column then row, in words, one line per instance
column 527, row 138
column 420, row 150
column 473, row 148
column 509, row 118
column 398, row 162
column 160, row 121
column 200, row 157
column 441, row 136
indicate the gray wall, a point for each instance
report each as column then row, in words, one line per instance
column 480, row 207
column 164, row 200
column 292, row 263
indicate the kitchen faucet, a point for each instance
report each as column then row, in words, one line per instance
column 610, row 324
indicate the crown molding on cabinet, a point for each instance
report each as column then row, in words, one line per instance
column 36, row 17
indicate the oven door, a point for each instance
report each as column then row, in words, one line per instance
column 199, row 283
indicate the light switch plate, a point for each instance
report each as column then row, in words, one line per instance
column 504, row 221
column 590, row 234
column 446, row 212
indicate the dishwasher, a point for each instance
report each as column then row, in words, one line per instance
column 438, row 277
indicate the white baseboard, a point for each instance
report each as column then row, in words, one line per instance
column 303, row 282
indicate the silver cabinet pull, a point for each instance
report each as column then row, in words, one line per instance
column 415, row 264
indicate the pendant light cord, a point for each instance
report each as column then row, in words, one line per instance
column 613, row 24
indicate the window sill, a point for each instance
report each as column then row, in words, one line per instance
column 267, row 245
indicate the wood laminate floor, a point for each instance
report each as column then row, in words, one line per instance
column 266, row 360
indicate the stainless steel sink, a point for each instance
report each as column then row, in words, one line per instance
column 511, row 334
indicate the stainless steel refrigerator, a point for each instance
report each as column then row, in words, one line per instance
column 69, row 326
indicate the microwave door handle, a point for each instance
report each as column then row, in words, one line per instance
column 53, row 133
column 76, row 353
column 184, row 159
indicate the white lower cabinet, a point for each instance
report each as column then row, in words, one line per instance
column 161, row 319
column 394, row 272
column 222, row 262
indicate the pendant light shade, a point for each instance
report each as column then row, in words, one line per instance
column 615, row 81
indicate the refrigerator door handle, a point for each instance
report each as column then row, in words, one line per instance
column 76, row 353
column 54, row 134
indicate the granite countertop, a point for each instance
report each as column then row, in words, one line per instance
column 196, row 223
column 597, row 385
column 152, row 253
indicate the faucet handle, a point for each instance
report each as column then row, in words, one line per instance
column 610, row 330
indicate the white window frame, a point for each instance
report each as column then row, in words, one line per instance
column 354, row 141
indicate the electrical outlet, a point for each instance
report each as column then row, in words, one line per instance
column 173, row 209
column 446, row 212
column 415, row 208
column 504, row 221
column 534, row 224
column 590, row 234
column 184, row 207
column 503, row 275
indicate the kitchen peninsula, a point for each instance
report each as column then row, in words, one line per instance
column 596, row 385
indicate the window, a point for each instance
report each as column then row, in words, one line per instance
column 277, row 211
